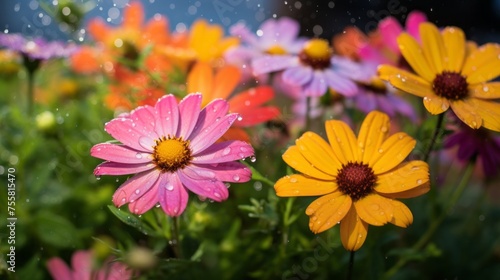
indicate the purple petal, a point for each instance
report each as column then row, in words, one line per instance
column 317, row 86
column 365, row 101
column 189, row 109
column 210, row 188
column 402, row 106
column 142, row 204
column 297, row 75
column 173, row 196
column 116, row 168
column 360, row 72
column 167, row 116
column 224, row 152
column 226, row 172
column 129, row 133
column 273, row 63
column 340, row 84
column 119, row 153
column 212, row 133
column 390, row 29
column 385, row 104
column 454, row 139
column 135, row 187
column 241, row 31
column 269, row 30
column 240, row 56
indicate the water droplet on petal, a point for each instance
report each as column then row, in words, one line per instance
column 236, row 177
column 169, row 187
column 216, row 194
column 485, row 89
column 137, row 191
column 293, row 180
column 419, row 181
column 226, row 151
column 253, row 159
column 383, row 129
column 380, row 150
column 138, row 155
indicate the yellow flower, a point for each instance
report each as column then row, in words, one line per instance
column 357, row 179
column 450, row 74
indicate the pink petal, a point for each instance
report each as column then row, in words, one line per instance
column 116, row 168
column 317, row 86
column 144, row 116
column 414, row 19
column 189, row 109
column 226, row 172
column 145, row 202
column 224, row 152
column 135, row 187
column 371, row 54
column 167, row 116
column 217, row 108
column 212, row 133
column 269, row 63
column 172, row 194
column 297, row 75
column 210, row 188
column 82, row 265
column 390, row 29
column 58, row 269
column 119, row 153
column 128, row 132
column 115, row 270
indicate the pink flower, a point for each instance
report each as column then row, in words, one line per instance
column 172, row 148
column 83, row 270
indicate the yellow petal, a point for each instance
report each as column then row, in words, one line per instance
column 418, row 191
column 226, row 80
column 200, row 79
column 480, row 57
column 454, row 42
column 353, row 231
column 487, row 72
column 374, row 209
column 343, row 141
column 402, row 214
column 300, row 185
column 409, row 83
column 490, row 113
column 435, row 104
column 392, row 152
column 412, row 52
column 433, row 46
column 406, row 176
column 467, row 112
column 327, row 211
column 372, row 134
column 485, row 91
column 385, row 71
column 297, row 161
column 318, row 153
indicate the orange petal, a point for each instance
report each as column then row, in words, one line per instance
column 407, row 175
column 156, row 31
column 418, row 191
column 327, row 211
column 402, row 214
column 392, row 152
column 374, row 209
column 414, row 54
column 435, row 104
column 318, row 153
column 372, row 134
column 133, row 15
column 353, row 231
column 300, row 185
column 294, row 157
column 485, row 91
column 98, row 30
column 490, row 113
column 226, row 80
column 252, row 98
column 433, row 46
column 343, row 141
column 454, row 42
column 201, row 79
column 235, row 133
column 480, row 57
column 467, row 111
column 256, row 116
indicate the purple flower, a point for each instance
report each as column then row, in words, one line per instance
column 38, row 48
column 314, row 69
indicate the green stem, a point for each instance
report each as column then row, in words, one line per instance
column 31, row 92
column 351, row 265
column 434, row 136
column 176, row 241
column 308, row 113
column 424, row 239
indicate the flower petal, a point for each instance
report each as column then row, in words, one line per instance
column 372, row 134
column 227, row 171
column 135, row 187
column 392, row 152
column 402, row 214
column 127, row 132
column 468, row 112
column 411, row 84
column 340, row 84
column 224, row 152
column 226, row 80
column 390, row 29
column 486, row 72
column 270, row 63
column 59, row 270
column 406, row 176
column 300, row 185
column 167, row 116
column 375, row 209
column 435, row 104
column 328, row 210
column 418, row 191
column 82, row 265
column 298, row 75
column 201, row 79
column 319, row 153
column 119, row 153
column 172, row 195
column 454, row 43
column 144, row 117
column 433, row 46
column 251, row 98
column 414, row 54
column 145, row 202
column 343, row 143
column 298, row 161
column 485, row 91
column 116, row 168
column 316, row 86
column 210, row 188
column 133, row 16
column 489, row 112
column 189, row 110
column 216, row 109
column 256, row 116
column 480, row 57
column 353, row 231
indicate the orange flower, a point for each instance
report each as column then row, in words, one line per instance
column 221, row 84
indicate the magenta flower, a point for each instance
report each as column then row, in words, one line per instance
column 314, row 69
column 82, row 263
column 172, row 148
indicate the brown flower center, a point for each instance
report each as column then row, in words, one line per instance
column 450, row 85
column 356, row 180
column 316, row 53
column 171, row 153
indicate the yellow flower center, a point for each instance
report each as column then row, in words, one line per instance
column 171, row 154
column 316, row 53
column 276, row 50
column 450, row 85
column 356, row 180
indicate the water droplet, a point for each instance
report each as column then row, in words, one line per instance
column 236, row 177
column 227, row 185
column 169, row 187
column 419, row 181
column 293, row 180
column 137, row 191
column 253, row 159
column 138, row 155
column 380, row 150
column 381, row 213
column 296, row 191
column 257, row 186
column 243, row 149
column 217, row 119
column 216, row 194
column 226, row 151
column 375, row 207
column 98, row 178
column 401, row 136
column 123, row 200
column 240, row 118
column 474, row 124
column 383, row 129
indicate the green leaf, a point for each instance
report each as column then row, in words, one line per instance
column 132, row 220
column 55, row 230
